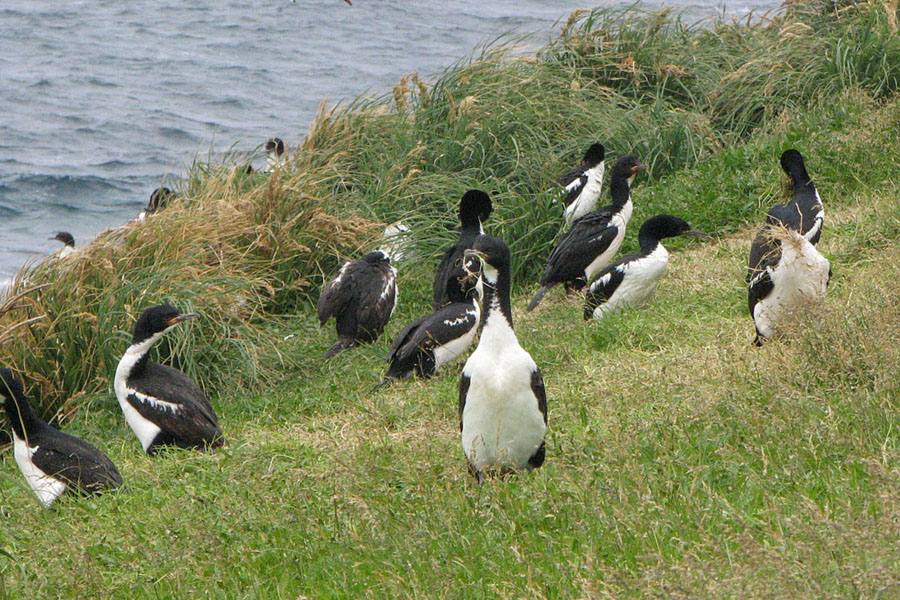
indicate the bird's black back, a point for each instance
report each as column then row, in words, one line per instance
column 579, row 246
column 65, row 457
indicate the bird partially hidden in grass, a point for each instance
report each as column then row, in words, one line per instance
column 361, row 298
column 502, row 402
column 52, row 462
column 592, row 242
column 450, row 279
column 162, row 405
column 430, row 342
column 69, row 244
column 159, row 199
column 582, row 185
column 632, row 281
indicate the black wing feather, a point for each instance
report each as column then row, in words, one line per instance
column 193, row 423
column 588, row 238
column 334, row 295
column 569, row 178
column 72, row 460
column 464, row 382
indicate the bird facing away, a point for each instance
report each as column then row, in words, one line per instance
column 430, row 342
column 159, row 199
column 581, row 185
column 502, row 402
column 632, row 280
column 474, row 209
column 162, row 405
column 69, row 248
column 594, row 239
column 52, row 462
column 361, row 298
column 804, row 214
column 793, row 275
column 274, row 154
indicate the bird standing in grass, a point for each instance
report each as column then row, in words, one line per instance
column 361, row 298
column 449, row 280
column 159, row 199
column 783, row 270
column 632, row 280
column 52, row 462
column 581, row 185
column 502, row 402
column 162, row 405
column 274, row 154
column 594, row 239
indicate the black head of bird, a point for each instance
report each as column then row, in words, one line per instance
column 65, row 237
column 594, row 156
column 10, row 385
column 13, row 394
column 667, row 226
column 628, row 166
column 474, row 207
column 158, row 319
column 492, row 253
column 792, row 164
column 274, row 147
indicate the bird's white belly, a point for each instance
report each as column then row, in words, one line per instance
column 502, row 426
column 145, row 430
column 798, row 279
column 46, row 487
column 620, row 221
column 638, row 286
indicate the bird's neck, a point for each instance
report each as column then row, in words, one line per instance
column 472, row 226
column 648, row 243
column 620, row 190
column 135, row 359
column 498, row 320
column 21, row 416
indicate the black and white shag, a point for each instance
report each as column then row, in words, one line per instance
column 52, row 462
column 474, row 209
column 502, row 402
column 632, row 280
column 159, row 199
column 592, row 242
column 162, row 405
column 581, row 185
column 428, row 343
column 361, row 298
column 778, row 278
column 274, row 154
column 69, row 248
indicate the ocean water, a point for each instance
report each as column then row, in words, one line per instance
column 101, row 102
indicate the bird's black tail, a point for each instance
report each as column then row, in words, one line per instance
column 537, row 298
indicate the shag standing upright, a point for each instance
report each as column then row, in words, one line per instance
column 361, row 298
column 783, row 270
column 632, row 280
column 474, row 209
column 581, row 185
column 162, row 405
column 594, row 239
column 52, row 462
column 274, row 154
column 502, row 402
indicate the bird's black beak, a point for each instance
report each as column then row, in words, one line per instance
column 695, row 233
column 638, row 167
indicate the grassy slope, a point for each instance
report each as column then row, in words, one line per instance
column 682, row 462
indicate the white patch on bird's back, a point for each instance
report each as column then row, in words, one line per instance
column 45, row 487
column 639, row 282
column 502, row 426
column 587, row 200
column 619, row 221
column 800, row 277
column 452, row 349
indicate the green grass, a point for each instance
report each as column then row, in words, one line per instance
column 682, row 461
